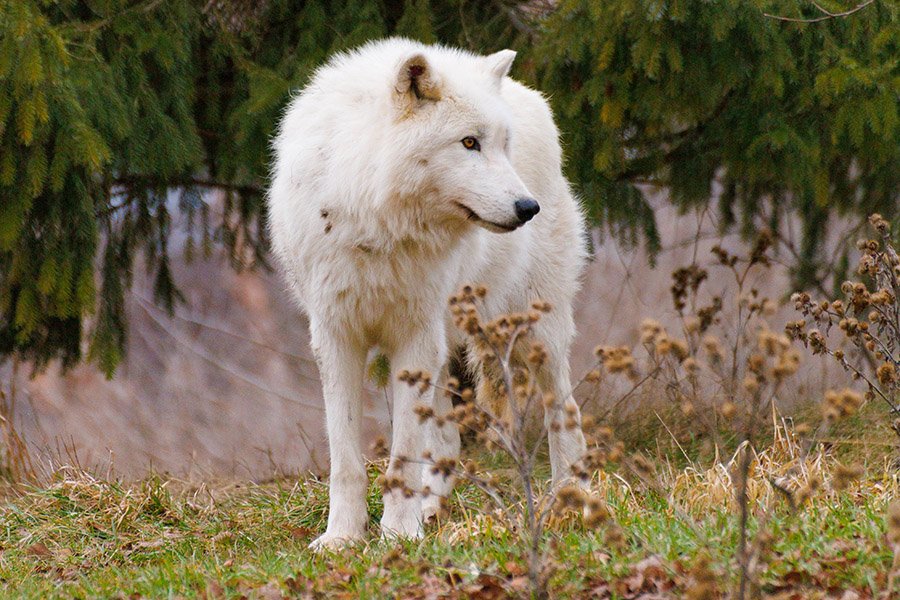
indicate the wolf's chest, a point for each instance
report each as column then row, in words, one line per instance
column 376, row 290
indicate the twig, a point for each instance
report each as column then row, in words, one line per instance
column 827, row 15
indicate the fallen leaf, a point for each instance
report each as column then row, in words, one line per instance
column 515, row 569
column 301, row 533
column 222, row 535
column 518, row 584
column 270, row 591
column 485, row 587
column 214, row 590
column 149, row 544
column 648, row 580
column 38, row 550
column 299, row 585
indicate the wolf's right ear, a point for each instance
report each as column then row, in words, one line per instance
column 499, row 63
column 416, row 81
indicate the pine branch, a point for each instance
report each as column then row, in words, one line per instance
column 132, row 182
column 516, row 21
column 93, row 26
column 639, row 167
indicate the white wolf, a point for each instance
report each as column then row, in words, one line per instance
column 403, row 171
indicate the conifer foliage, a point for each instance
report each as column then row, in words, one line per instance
column 791, row 118
column 117, row 114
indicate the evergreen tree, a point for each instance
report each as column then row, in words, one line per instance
column 107, row 107
column 793, row 119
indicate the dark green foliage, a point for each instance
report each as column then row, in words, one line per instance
column 792, row 119
column 115, row 113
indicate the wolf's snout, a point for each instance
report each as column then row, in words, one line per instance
column 526, row 208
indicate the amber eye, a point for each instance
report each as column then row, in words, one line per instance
column 471, row 143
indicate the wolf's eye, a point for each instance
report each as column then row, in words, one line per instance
column 471, row 143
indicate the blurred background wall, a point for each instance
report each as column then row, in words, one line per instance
column 228, row 386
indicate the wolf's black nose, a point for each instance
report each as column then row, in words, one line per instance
column 526, row 208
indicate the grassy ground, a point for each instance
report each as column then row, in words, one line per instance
column 77, row 536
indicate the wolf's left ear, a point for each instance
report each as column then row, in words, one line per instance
column 416, row 80
column 499, row 63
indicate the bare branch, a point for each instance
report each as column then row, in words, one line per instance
column 826, row 14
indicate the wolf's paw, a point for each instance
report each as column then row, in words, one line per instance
column 431, row 509
column 402, row 517
column 403, row 526
column 412, row 533
column 330, row 541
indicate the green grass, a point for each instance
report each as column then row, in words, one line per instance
column 82, row 537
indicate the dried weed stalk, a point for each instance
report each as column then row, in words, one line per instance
column 505, row 347
column 868, row 318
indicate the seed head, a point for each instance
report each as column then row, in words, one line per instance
column 616, row 453
column 605, row 434
column 380, row 447
column 538, row 354
column 887, row 374
column 728, row 410
column 786, row 364
column 795, row 329
column 879, row 223
column 549, row 401
column 802, row 429
column 756, row 363
column 597, row 512
column 643, row 467
column 771, row 343
column 571, row 497
column 713, row 348
column 541, row 306
column 443, row 467
column 650, row 330
column 704, row 581
column 614, row 537
column 841, row 404
column 844, row 475
column 692, row 324
column 424, row 412
column 751, row 384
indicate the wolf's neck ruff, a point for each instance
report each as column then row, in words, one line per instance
column 399, row 226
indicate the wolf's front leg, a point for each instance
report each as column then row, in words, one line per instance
column 341, row 367
column 403, row 504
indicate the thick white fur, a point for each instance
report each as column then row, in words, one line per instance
column 378, row 213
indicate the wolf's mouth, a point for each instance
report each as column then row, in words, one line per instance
column 471, row 215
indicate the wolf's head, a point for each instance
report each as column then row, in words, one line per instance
column 455, row 138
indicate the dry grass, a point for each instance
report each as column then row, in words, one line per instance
column 81, row 536
column 709, row 492
column 706, row 487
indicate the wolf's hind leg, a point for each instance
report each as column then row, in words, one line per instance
column 562, row 420
column 441, row 442
column 402, row 503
